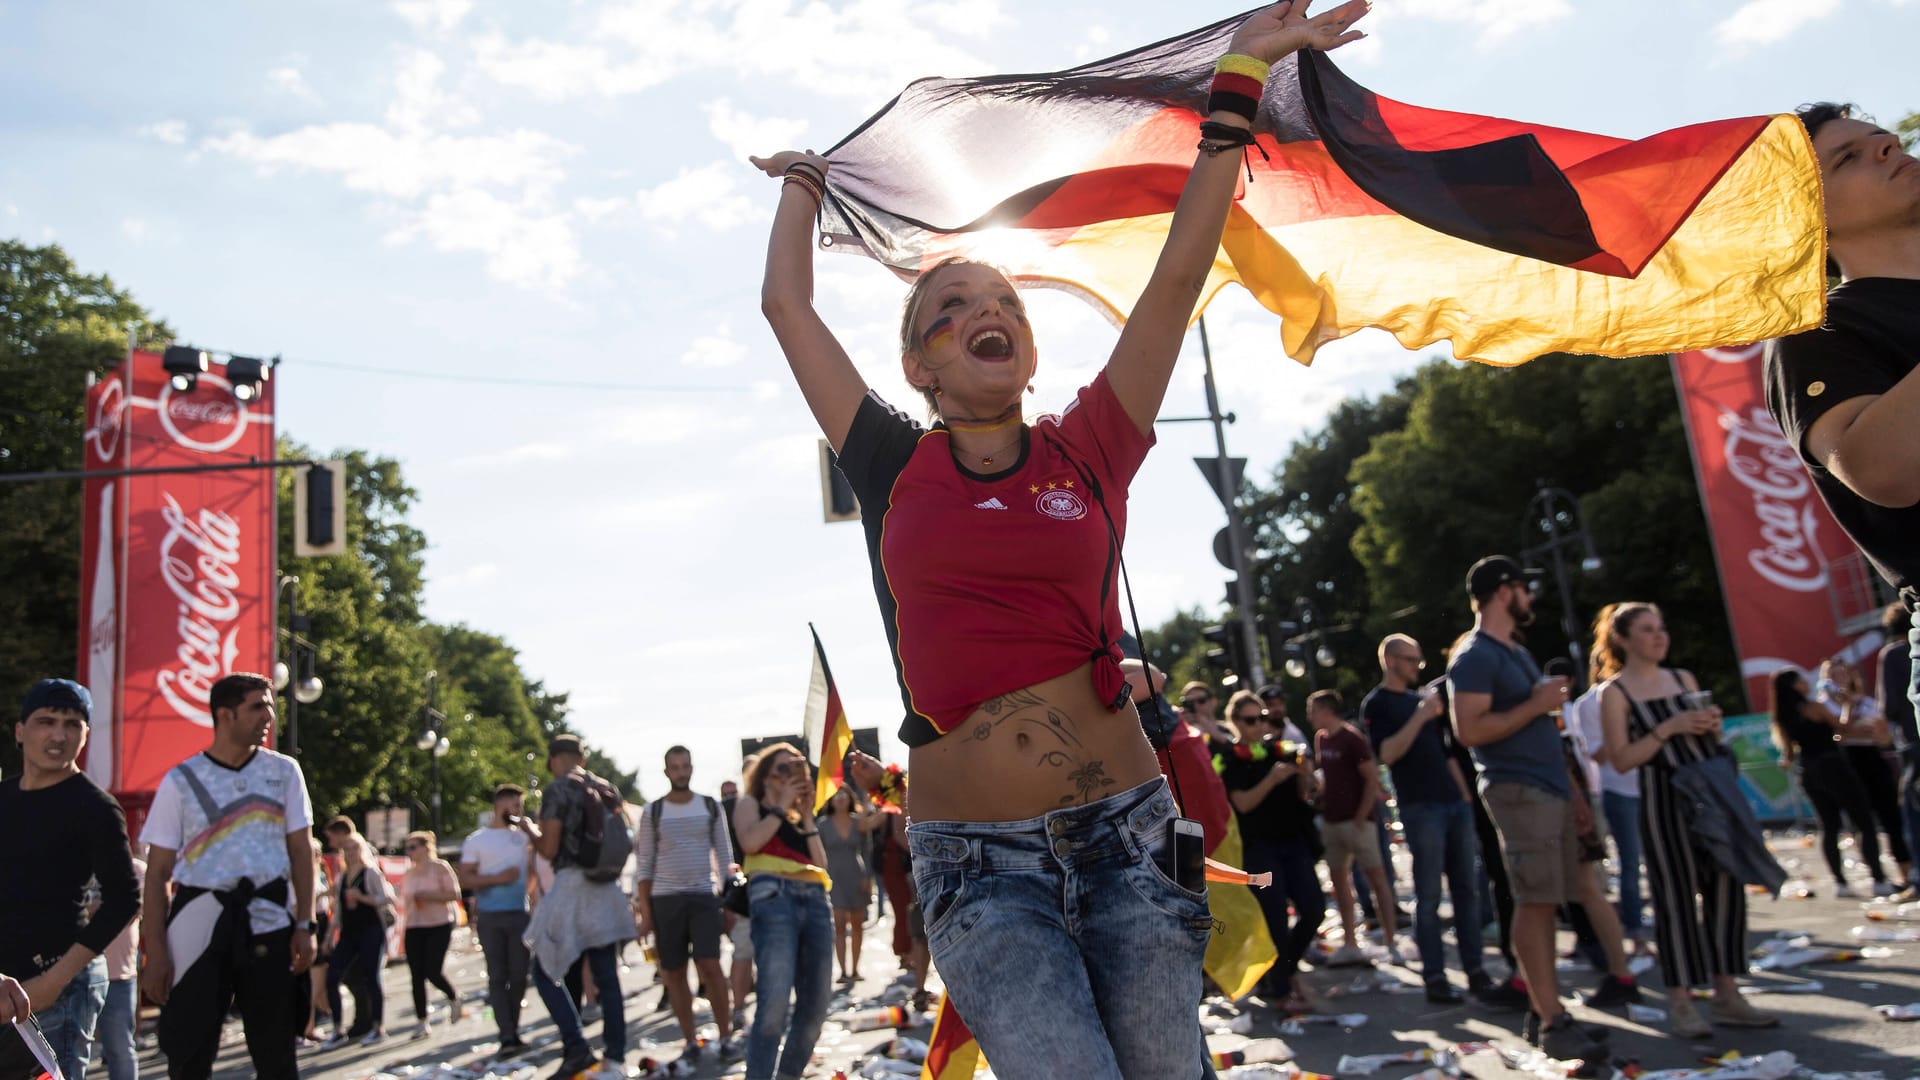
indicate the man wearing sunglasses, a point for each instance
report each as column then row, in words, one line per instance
column 1435, row 810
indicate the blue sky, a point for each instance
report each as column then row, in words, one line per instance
column 477, row 188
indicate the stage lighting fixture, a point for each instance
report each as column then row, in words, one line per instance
column 184, row 366
column 248, row 376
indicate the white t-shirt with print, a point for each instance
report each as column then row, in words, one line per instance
column 226, row 824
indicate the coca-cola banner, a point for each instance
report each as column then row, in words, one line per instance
column 1772, row 536
column 179, row 564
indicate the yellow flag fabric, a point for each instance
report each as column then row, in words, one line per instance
column 1241, row 950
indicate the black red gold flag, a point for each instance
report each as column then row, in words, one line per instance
column 1507, row 239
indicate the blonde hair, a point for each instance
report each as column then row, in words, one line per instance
column 1615, row 620
column 425, row 836
column 1239, row 698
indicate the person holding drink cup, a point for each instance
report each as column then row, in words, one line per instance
column 787, row 886
column 1658, row 720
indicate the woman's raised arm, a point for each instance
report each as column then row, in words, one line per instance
column 1143, row 360
column 828, row 380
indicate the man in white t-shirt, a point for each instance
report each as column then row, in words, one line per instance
column 495, row 863
column 229, row 829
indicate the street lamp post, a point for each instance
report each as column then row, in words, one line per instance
column 1556, row 512
column 297, row 669
column 433, row 739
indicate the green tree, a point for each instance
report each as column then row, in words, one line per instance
column 57, row 327
column 1908, row 128
column 1454, row 484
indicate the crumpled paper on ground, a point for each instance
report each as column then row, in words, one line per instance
column 1818, row 954
column 1886, row 933
column 1775, row 1066
column 1899, row 1012
column 1368, row 1064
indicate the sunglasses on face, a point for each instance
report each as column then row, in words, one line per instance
column 1250, row 718
column 1194, row 702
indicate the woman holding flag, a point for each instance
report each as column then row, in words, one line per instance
column 1043, row 833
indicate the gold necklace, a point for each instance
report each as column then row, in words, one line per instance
column 987, row 459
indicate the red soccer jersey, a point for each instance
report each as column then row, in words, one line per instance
column 990, row 584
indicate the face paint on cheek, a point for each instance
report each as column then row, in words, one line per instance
column 939, row 334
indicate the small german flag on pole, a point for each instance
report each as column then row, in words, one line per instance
column 828, row 735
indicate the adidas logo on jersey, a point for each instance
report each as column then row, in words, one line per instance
column 990, row 504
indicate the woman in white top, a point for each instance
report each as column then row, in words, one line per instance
column 1864, row 738
column 428, row 894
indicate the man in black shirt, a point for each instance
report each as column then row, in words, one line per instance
column 1847, row 395
column 1435, row 811
column 1270, row 784
column 64, row 847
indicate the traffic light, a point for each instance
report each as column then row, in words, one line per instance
column 1230, row 650
column 320, row 509
column 836, row 495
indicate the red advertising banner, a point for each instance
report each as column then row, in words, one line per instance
column 178, row 580
column 1793, row 581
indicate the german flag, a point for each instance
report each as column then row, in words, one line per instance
column 828, row 734
column 1508, row 239
column 952, row 1052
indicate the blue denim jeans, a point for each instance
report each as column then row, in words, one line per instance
column 792, row 930
column 1064, row 945
column 1623, row 821
column 1441, row 838
column 115, row 1034
column 69, row 1023
column 603, row 962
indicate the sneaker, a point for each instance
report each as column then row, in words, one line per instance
column 373, row 1038
column 510, row 1050
column 1843, row 891
column 1348, row 956
column 334, row 1042
column 1684, row 1021
column 1885, row 888
column 1503, row 995
column 691, row 1055
column 1530, row 1030
column 1612, row 991
column 1736, row 1012
column 1441, row 993
column 419, row 1031
column 733, row 1047
column 922, row 1001
column 590, row 1013
column 1563, row 1040
column 574, row 1064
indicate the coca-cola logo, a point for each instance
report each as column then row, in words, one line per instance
column 1761, row 459
column 198, row 560
column 207, row 418
column 1737, row 354
column 109, row 414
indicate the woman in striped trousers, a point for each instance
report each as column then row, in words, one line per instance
column 1655, row 720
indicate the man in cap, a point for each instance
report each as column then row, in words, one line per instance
column 63, row 836
column 1503, row 709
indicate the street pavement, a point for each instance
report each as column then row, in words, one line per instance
column 1833, row 1031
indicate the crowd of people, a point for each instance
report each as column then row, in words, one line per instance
column 1050, row 873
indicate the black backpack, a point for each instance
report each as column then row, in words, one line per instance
column 604, row 843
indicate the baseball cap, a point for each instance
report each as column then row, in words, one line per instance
column 57, row 694
column 1271, row 691
column 1487, row 575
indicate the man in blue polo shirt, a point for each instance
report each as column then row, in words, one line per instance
column 1435, row 811
column 1502, row 709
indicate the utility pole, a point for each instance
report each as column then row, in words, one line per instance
column 1238, row 542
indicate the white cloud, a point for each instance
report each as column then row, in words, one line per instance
column 289, row 80
column 1763, row 22
column 708, row 196
column 134, row 229
column 597, row 209
column 863, row 49
column 715, row 350
column 745, row 134
column 172, row 132
column 656, row 512
column 516, row 455
column 477, row 574
column 442, row 15
column 1498, row 20
column 492, row 194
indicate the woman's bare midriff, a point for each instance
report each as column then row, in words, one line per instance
column 1020, row 755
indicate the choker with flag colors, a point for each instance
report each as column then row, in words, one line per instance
column 1509, row 239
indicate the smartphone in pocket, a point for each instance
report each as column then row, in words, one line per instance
column 1186, row 854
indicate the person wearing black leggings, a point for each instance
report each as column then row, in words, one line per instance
column 1804, row 731
column 429, row 894
column 1865, row 740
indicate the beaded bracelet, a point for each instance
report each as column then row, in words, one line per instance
column 1238, row 82
column 808, row 185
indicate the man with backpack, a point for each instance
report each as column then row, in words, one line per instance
column 682, row 848
column 584, row 833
